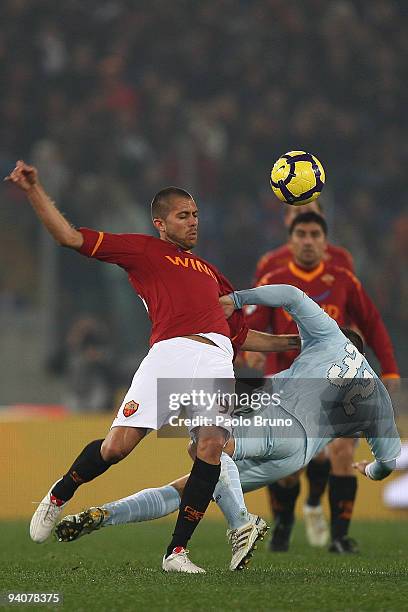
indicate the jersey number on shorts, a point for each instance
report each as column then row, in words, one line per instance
column 343, row 375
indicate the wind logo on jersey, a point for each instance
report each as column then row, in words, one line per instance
column 189, row 262
column 130, row 408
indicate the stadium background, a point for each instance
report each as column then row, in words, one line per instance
column 114, row 99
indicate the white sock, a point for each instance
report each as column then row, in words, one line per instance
column 228, row 494
column 143, row 506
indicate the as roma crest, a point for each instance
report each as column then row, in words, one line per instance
column 130, row 408
column 328, row 279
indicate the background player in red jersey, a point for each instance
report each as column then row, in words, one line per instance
column 190, row 339
column 276, row 258
column 340, row 294
column 317, row 472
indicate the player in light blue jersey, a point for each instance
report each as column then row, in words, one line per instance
column 329, row 391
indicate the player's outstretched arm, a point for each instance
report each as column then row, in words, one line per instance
column 311, row 320
column 269, row 295
column 26, row 178
column 269, row 343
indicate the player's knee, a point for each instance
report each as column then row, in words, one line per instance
column 120, row 441
column 342, row 457
column 210, row 449
column 192, row 449
column 116, row 448
column 342, row 452
column 113, row 452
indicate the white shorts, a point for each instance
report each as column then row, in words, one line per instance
column 174, row 367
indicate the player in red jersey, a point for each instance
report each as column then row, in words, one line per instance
column 318, row 470
column 341, row 295
column 282, row 255
column 190, row 339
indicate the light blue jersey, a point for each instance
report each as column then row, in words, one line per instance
column 330, row 391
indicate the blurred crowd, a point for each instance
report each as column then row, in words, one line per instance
column 114, row 99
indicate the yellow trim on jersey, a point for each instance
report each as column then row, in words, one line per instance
column 306, row 276
column 390, row 376
column 98, row 243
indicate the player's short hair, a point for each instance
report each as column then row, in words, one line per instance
column 162, row 201
column 309, row 217
column 354, row 338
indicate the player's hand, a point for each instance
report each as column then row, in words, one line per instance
column 392, row 384
column 360, row 466
column 255, row 360
column 227, row 305
column 23, row 175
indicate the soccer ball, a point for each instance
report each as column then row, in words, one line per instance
column 297, row 178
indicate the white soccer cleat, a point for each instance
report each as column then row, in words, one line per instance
column 178, row 561
column 45, row 518
column 317, row 530
column 244, row 539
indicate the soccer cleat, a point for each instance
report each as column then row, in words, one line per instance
column 178, row 561
column 74, row 526
column 45, row 517
column 244, row 539
column 317, row 530
column 281, row 536
column 344, row 545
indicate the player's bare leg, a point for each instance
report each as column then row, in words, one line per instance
column 342, row 494
column 95, row 459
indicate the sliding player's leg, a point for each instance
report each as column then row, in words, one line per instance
column 244, row 531
column 144, row 505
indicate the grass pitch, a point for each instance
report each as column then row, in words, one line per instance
column 118, row 569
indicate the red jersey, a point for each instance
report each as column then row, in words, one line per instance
column 340, row 294
column 334, row 255
column 179, row 289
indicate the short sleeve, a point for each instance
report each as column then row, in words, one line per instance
column 238, row 329
column 112, row 248
column 237, row 322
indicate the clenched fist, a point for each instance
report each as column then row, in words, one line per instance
column 227, row 305
column 23, row 175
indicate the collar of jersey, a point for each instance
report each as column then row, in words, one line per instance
column 303, row 274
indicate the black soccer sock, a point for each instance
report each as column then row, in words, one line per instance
column 87, row 466
column 342, row 493
column 196, row 496
column 283, row 500
column 317, row 473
